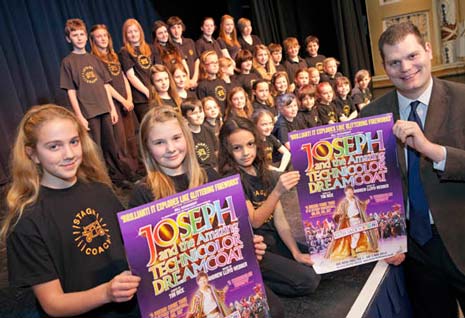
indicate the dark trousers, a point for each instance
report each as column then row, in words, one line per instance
column 101, row 130
column 434, row 283
column 141, row 109
column 125, row 131
column 284, row 275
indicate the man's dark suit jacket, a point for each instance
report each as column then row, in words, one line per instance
column 445, row 191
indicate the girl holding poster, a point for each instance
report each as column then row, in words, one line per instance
column 169, row 157
column 242, row 152
column 62, row 235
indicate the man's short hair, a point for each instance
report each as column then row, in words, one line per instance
column 396, row 33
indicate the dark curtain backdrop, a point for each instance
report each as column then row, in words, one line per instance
column 352, row 36
column 276, row 20
column 32, row 42
column 33, row 45
column 340, row 26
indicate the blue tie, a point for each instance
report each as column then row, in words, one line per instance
column 420, row 226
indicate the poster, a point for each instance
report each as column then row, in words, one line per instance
column 197, row 239
column 350, row 192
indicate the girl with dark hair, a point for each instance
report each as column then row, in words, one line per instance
column 242, row 151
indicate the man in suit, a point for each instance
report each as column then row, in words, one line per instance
column 435, row 261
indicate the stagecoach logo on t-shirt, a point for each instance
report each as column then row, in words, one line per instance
column 114, row 68
column 332, row 116
column 144, row 61
column 269, row 152
column 220, row 93
column 88, row 74
column 319, row 66
column 191, row 52
column 91, row 233
column 346, row 110
column 203, row 151
column 258, row 198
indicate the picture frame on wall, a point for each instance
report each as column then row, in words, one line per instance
column 420, row 19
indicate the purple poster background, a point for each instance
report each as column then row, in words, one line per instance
column 169, row 241
column 360, row 153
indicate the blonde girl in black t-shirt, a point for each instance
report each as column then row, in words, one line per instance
column 56, row 171
column 167, row 149
column 168, row 154
column 262, row 62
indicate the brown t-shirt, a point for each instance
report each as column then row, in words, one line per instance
column 86, row 74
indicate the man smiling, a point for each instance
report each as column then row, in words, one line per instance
column 430, row 122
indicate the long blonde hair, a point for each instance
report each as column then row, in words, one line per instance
column 144, row 47
column 269, row 69
column 159, row 183
column 26, row 175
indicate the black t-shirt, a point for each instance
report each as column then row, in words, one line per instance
column 216, row 88
column 246, row 81
column 190, row 94
column 344, row 106
column 284, row 126
column 256, row 192
column 327, row 113
column 189, row 53
column 141, row 65
column 310, row 117
column 232, row 49
column 141, row 193
column 72, row 235
column 316, row 61
column 292, row 67
column 359, row 96
column 86, row 74
column 257, row 105
column 272, row 144
column 280, row 68
column 214, row 127
column 169, row 102
column 202, row 45
column 330, row 79
column 117, row 76
column 205, row 146
column 117, row 81
column 246, row 46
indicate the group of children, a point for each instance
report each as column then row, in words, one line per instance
column 201, row 110
column 111, row 92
